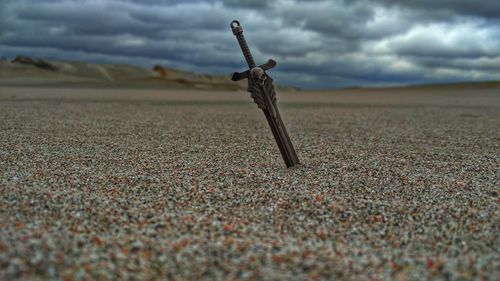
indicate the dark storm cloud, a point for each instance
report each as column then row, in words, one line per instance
column 96, row 19
column 317, row 43
column 251, row 4
column 329, row 18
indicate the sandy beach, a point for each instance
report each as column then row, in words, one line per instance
column 103, row 184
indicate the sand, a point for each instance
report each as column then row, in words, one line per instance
column 149, row 184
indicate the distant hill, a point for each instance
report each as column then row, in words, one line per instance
column 27, row 71
column 438, row 86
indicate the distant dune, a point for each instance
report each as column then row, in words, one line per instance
column 27, row 71
column 443, row 86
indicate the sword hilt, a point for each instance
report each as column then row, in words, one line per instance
column 238, row 32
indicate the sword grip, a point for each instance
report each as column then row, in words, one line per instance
column 238, row 32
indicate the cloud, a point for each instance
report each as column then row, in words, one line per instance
column 316, row 43
column 464, row 41
column 488, row 9
column 249, row 4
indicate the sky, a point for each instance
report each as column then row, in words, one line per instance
column 317, row 44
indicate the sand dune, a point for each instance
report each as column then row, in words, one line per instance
column 26, row 71
column 159, row 184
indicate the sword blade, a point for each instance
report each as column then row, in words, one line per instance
column 265, row 97
column 282, row 138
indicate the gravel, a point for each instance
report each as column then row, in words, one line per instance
column 179, row 188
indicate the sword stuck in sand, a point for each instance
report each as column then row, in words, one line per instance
column 261, row 87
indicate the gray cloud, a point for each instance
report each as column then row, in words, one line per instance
column 249, row 4
column 481, row 9
column 317, row 43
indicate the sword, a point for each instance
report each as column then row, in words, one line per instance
column 261, row 88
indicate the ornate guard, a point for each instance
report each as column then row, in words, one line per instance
column 261, row 87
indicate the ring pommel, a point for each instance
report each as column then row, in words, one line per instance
column 236, row 27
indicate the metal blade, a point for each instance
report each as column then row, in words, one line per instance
column 264, row 96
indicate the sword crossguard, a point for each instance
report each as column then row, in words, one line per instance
column 246, row 74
